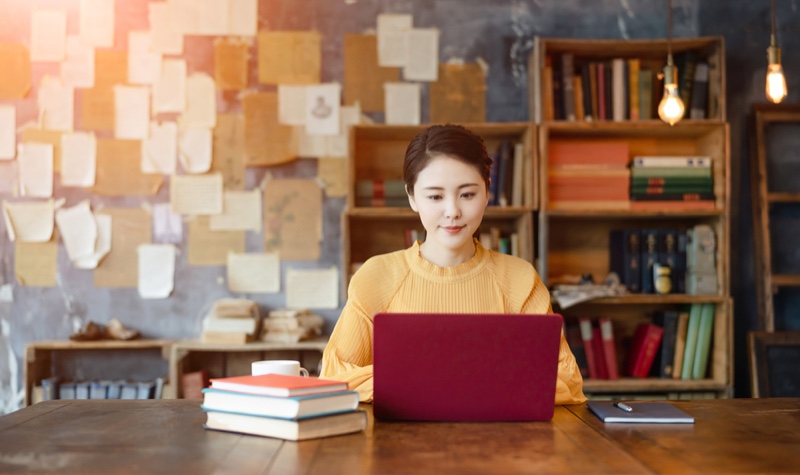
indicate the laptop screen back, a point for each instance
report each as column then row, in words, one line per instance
column 465, row 367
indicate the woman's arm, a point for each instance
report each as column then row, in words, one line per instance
column 348, row 355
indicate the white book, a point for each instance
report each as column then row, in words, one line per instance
column 618, row 80
column 245, row 325
column 672, row 161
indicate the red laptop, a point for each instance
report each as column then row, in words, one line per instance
column 465, row 367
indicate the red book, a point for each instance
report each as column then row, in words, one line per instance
column 602, row 153
column 599, row 353
column 643, row 350
column 588, row 347
column 279, row 385
column 609, row 350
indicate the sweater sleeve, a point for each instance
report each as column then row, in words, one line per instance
column 348, row 354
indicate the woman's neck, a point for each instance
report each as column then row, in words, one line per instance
column 446, row 257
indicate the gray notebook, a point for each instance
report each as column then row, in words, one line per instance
column 642, row 412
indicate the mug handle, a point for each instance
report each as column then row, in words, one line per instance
column 303, row 372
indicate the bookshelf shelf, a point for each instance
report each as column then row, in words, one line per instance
column 575, row 226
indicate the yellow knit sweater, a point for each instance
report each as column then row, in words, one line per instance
column 403, row 281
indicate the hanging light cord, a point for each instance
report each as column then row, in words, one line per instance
column 773, row 37
column 669, row 27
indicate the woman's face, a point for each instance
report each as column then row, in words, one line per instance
column 450, row 197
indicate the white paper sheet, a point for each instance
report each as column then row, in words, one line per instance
column 78, row 159
column 35, row 169
column 183, row 16
column 393, row 38
column 78, row 229
column 292, row 104
column 243, row 17
column 212, row 17
column 322, row 109
column 131, row 112
column 196, row 194
column 165, row 37
column 8, row 132
column 160, row 149
column 241, row 211
column 423, row 55
column 29, row 221
column 77, row 70
column 312, row 145
column 144, row 63
column 156, row 270
column 338, row 145
column 201, row 102
column 254, row 273
column 312, row 288
column 194, row 150
column 96, row 23
column 48, row 35
column 6, row 293
column 167, row 226
column 102, row 245
column 402, row 103
column 9, row 177
column 169, row 92
column 56, row 104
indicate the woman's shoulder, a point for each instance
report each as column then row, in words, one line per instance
column 513, row 272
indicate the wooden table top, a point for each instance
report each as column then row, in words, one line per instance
column 167, row 436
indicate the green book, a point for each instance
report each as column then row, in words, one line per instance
column 691, row 340
column 676, row 188
column 645, row 94
column 664, row 172
column 703, row 341
column 644, row 181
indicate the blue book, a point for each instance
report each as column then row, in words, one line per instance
column 298, row 407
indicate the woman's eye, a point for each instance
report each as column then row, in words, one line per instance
column 434, row 197
column 468, row 195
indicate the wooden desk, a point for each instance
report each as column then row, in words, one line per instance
column 166, row 436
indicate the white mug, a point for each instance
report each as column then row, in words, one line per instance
column 290, row 367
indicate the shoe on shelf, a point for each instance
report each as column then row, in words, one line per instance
column 90, row 332
column 115, row 330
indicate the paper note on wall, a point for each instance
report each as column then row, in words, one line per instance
column 201, row 102
column 8, row 132
column 165, row 37
column 402, row 103
column 167, row 226
column 333, row 172
column 119, row 170
column 29, row 221
column 243, row 17
column 322, row 109
column 77, row 70
column 96, row 23
column 110, row 68
column 144, row 63
column 289, row 57
column 292, row 104
column 51, row 137
column 169, row 92
column 212, row 17
column 78, row 159
column 423, row 55
column 160, row 150
column 230, row 63
column 196, row 194
column 56, row 104
column 228, row 150
column 266, row 142
column 78, row 230
column 459, row 95
column 131, row 112
column 16, row 80
column 254, row 273
column 241, row 210
column 35, row 169
column 312, row 288
column 293, row 219
column 156, row 270
column 194, row 150
column 130, row 227
column 211, row 248
column 97, row 109
column 48, row 35
column 102, row 245
column 35, row 264
column 393, row 38
column 363, row 77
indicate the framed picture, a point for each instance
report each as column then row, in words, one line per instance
column 774, row 363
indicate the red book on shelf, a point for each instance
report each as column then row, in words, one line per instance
column 646, row 340
column 599, row 353
column 609, row 350
column 596, row 153
column 588, row 347
column 279, row 385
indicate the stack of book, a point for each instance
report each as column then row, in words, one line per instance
column 291, row 326
column 381, row 193
column 282, row 406
column 671, row 182
column 588, row 175
column 231, row 321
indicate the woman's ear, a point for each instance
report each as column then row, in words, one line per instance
column 411, row 200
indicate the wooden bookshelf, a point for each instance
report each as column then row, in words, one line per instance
column 377, row 153
column 575, row 241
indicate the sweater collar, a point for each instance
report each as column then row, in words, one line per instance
column 465, row 270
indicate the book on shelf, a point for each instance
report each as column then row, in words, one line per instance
column 674, row 196
column 129, row 390
column 665, row 161
column 575, row 342
column 564, row 153
column 398, row 202
column 589, row 108
column 599, row 352
column 672, row 205
column 680, row 343
column 567, row 85
column 609, row 89
column 593, row 85
column 280, row 385
column 244, row 325
column 192, row 384
column 115, row 388
column 505, row 174
column 66, row 390
column 298, row 407
column 704, row 334
column 677, row 189
column 98, row 390
column 644, row 346
column 548, row 106
column 229, row 337
column 518, row 182
column 699, row 106
column 380, row 188
column 625, row 258
column 601, row 92
column 668, row 254
column 645, row 94
column 145, row 389
column 665, row 356
column 634, row 66
column 577, row 86
column 587, row 336
column 82, row 389
column 690, row 349
column 702, row 182
column 288, row 429
column 50, row 388
column 619, row 89
column 649, row 246
column 686, row 62
column 609, row 347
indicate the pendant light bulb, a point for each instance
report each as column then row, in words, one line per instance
column 671, row 107
column 776, row 82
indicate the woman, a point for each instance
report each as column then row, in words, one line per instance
column 446, row 173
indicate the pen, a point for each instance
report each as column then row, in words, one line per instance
column 623, row 406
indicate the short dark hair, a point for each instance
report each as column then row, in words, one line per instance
column 451, row 140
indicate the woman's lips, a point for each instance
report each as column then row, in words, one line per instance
column 452, row 229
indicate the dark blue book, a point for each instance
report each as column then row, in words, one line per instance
column 649, row 246
column 626, row 259
column 663, row 366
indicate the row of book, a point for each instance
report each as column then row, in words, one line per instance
column 674, row 345
column 237, row 321
column 666, row 179
column 665, row 261
column 55, row 388
column 620, row 89
column 282, row 406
